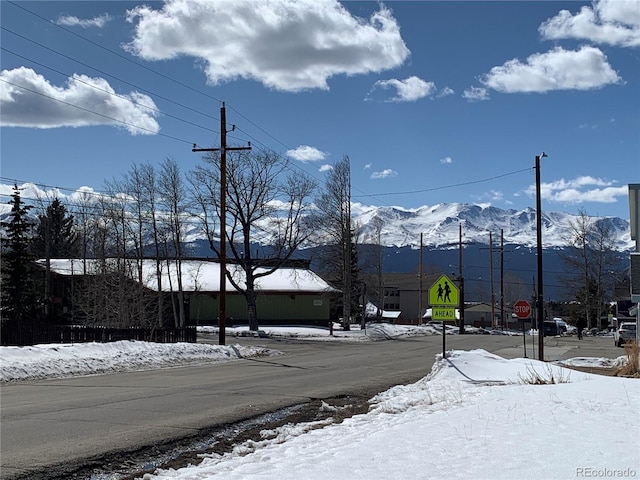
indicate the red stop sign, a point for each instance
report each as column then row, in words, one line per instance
column 522, row 309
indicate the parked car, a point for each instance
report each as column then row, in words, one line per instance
column 562, row 325
column 626, row 332
column 551, row 328
column 572, row 330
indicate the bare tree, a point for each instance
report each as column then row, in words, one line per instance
column 604, row 261
column 173, row 197
column 334, row 205
column 591, row 261
column 149, row 199
column 263, row 203
column 86, row 219
column 516, row 288
column 116, row 238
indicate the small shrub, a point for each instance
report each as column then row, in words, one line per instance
column 631, row 369
column 550, row 377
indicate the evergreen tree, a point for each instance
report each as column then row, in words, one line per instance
column 55, row 235
column 358, row 287
column 18, row 293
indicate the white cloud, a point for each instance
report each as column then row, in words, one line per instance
column 580, row 190
column 386, row 173
column 367, row 166
column 610, row 22
column 445, row 92
column 558, row 69
column 288, row 46
column 492, row 196
column 325, row 168
column 475, row 94
column 72, row 21
column 305, row 153
column 407, row 90
column 84, row 101
column 446, row 160
column 31, row 191
column 495, row 195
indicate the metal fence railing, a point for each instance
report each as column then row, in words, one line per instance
column 31, row 333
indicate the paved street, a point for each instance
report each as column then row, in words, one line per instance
column 67, row 421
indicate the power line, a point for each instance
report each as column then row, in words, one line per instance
column 95, row 87
column 287, row 163
column 101, row 72
column 118, row 54
column 442, row 187
column 96, row 113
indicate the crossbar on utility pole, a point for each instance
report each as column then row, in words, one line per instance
column 222, row 322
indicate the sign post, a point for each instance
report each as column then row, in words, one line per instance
column 522, row 309
column 443, row 297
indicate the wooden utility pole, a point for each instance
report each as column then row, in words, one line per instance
column 493, row 303
column 504, row 320
column 222, row 322
column 461, row 279
column 420, row 273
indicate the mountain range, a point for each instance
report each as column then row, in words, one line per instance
column 398, row 231
column 439, row 225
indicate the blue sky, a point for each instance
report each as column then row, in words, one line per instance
column 433, row 102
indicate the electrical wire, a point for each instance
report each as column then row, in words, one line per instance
column 102, row 72
column 96, row 113
column 287, row 163
column 118, row 54
column 454, row 185
column 95, row 87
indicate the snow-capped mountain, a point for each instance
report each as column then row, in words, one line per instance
column 439, row 224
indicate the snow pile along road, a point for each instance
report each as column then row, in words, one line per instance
column 475, row 416
column 66, row 360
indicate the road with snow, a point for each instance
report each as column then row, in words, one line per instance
column 67, row 421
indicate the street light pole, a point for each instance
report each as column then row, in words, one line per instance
column 540, row 299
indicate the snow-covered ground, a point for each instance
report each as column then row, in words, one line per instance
column 371, row 332
column 66, row 360
column 475, row 416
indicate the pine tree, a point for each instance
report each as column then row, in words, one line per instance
column 358, row 287
column 55, row 235
column 18, row 293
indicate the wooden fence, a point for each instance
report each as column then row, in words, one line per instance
column 31, row 333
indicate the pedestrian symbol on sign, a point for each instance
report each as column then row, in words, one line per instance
column 443, row 292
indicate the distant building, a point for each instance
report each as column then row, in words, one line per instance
column 401, row 293
column 290, row 295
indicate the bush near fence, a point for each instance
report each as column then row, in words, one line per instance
column 30, row 333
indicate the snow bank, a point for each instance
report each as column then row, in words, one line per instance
column 66, row 360
column 475, row 416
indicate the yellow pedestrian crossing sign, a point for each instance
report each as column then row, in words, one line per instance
column 443, row 293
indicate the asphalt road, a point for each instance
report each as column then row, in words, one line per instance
column 71, row 421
